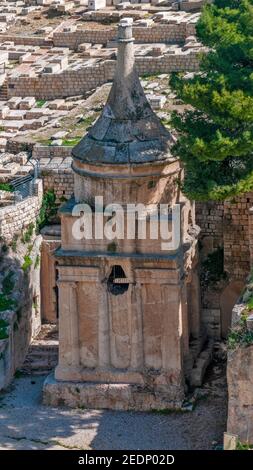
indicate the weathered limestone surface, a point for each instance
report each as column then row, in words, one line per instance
column 240, row 391
column 16, row 217
column 23, row 290
column 24, row 320
column 123, row 316
column 120, row 396
column 48, row 280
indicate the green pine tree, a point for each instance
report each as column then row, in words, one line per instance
column 216, row 131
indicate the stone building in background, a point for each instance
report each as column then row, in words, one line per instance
column 129, row 312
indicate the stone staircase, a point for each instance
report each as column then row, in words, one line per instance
column 42, row 354
column 4, row 91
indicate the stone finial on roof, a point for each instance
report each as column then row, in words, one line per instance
column 128, row 131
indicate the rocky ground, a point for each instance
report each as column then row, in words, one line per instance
column 26, row 424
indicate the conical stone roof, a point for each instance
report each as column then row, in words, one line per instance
column 128, row 131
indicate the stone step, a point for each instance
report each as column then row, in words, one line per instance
column 40, row 364
column 201, row 364
column 42, row 354
column 4, row 92
column 47, row 348
column 41, row 358
column 37, row 372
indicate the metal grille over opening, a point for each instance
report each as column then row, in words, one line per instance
column 117, row 282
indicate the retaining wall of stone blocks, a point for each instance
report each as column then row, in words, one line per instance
column 61, row 181
column 26, row 40
column 168, row 33
column 251, row 235
column 236, row 236
column 46, row 151
column 24, row 321
column 165, row 33
column 229, row 224
column 75, row 82
column 209, row 216
column 15, row 218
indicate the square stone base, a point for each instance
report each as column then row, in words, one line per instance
column 110, row 396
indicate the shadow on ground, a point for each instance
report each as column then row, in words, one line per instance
column 26, row 424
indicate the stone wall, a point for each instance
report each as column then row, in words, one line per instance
column 76, row 82
column 236, row 236
column 46, row 151
column 227, row 225
column 16, row 146
column 61, row 181
column 15, row 218
column 192, row 6
column 166, row 33
column 23, row 318
column 26, row 40
column 21, row 257
column 67, row 83
column 209, row 216
column 251, row 235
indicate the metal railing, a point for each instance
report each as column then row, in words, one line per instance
column 24, row 186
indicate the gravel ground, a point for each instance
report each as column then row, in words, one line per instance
column 26, row 424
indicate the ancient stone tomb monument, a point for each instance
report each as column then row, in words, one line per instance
column 127, row 307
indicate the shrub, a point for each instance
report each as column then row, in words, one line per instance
column 27, row 263
column 27, row 235
column 47, row 211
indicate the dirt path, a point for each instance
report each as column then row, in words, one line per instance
column 26, row 424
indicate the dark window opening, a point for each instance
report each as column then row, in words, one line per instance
column 117, row 282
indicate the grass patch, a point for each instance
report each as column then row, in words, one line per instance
column 250, row 303
column 241, row 446
column 40, row 103
column 27, row 263
column 71, row 142
column 45, row 142
column 166, row 122
column 6, row 187
column 87, row 121
column 27, row 235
